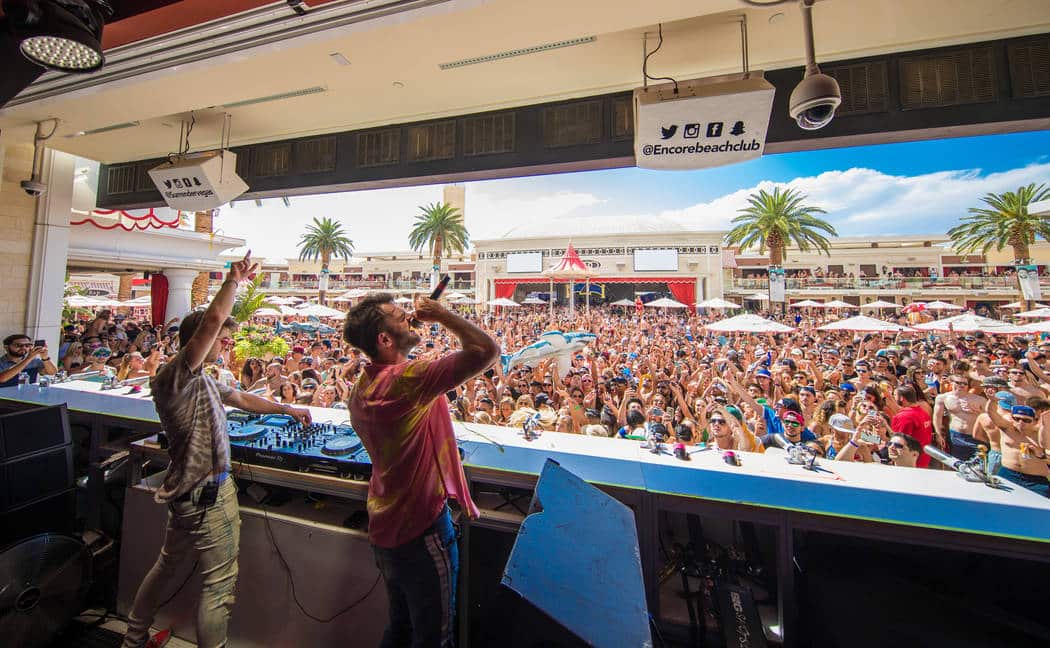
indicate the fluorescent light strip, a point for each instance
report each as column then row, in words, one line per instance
column 302, row 92
column 104, row 129
column 535, row 49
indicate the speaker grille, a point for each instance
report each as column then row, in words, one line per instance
column 379, row 148
column 121, row 179
column 574, row 124
column 271, row 160
column 863, row 86
column 488, row 134
column 432, row 141
column 1030, row 68
column 623, row 119
column 948, row 79
column 315, row 155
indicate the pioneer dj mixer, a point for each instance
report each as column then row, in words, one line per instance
column 280, row 441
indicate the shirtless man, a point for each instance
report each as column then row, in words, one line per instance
column 962, row 408
column 1026, row 468
column 1021, row 385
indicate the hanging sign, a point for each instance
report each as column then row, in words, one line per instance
column 708, row 123
column 776, row 284
column 1028, row 277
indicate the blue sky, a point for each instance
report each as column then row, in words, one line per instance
column 908, row 188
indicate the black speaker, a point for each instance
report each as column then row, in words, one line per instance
column 55, row 514
column 33, row 430
column 35, row 476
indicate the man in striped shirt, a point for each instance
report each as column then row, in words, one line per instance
column 203, row 517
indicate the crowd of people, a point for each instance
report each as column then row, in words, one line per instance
column 848, row 396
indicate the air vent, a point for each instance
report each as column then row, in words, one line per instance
column 573, row 124
column 277, row 97
column 536, row 49
column 121, row 179
column 948, row 79
column 379, row 148
column 488, row 134
column 104, row 129
column 863, row 87
column 1030, row 68
column 315, row 155
column 431, row 141
column 270, row 160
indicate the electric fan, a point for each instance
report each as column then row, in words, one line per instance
column 43, row 582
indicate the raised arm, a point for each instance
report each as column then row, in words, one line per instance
column 204, row 337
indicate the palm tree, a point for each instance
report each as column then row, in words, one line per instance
column 251, row 301
column 324, row 238
column 1005, row 221
column 771, row 221
column 440, row 229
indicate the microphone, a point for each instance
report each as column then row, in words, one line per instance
column 440, row 288
column 781, row 441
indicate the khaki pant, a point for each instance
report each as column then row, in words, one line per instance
column 214, row 534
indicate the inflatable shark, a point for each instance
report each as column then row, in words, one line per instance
column 309, row 328
column 552, row 343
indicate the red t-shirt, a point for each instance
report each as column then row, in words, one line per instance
column 916, row 423
column 401, row 414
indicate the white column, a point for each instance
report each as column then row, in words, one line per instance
column 47, row 272
column 180, row 288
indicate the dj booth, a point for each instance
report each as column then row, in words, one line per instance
column 883, row 553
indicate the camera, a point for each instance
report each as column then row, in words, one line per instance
column 34, row 189
column 814, row 100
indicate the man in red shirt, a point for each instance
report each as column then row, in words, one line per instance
column 913, row 421
column 399, row 409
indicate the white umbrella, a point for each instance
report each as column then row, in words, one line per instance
column 287, row 310
column 940, row 305
column 354, row 293
column 970, row 323
column 748, row 323
column 318, row 310
column 454, row 295
column 83, row 301
column 664, row 302
column 1037, row 327
column 534, row 300
column 757, row 296
column 467, row 301
column 863, row 323
column 403, row 300
column 280, row 301
column 622, row 302
column 267, row 312
column 879, row 303
column 807, row 303
column 837, row 304
column 503, row 301
column 1038, row 313
column 145, row 300
column 716, row 302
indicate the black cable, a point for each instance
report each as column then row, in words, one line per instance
column 767, row 3
column 288, row 569
column 645, row 61
column 189, row 129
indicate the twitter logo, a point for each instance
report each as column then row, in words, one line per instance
column 668, row 132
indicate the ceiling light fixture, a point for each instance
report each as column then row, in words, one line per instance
column 60, row 35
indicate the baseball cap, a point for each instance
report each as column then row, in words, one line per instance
column 763, row 373
column 1006, row 399
column 1022, row 410
column 735, row 411
column 848, row 387
column 298, row 349
column 792, row 415
column 842, row 423
column 994, row 381
column 541, row 399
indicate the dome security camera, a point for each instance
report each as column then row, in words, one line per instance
column 33, row 189
column 814, row 100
